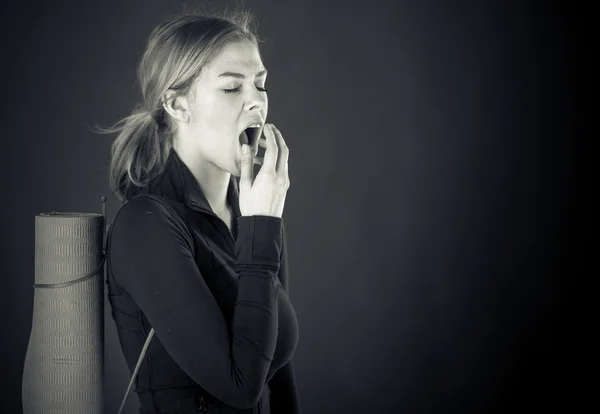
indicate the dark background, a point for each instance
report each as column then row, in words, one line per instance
column 429, row 217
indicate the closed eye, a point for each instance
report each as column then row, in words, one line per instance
column 239, row 88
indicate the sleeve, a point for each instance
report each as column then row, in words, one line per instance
column 151, row 255
column 284, row 392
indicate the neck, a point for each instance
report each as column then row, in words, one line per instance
column 213, row 181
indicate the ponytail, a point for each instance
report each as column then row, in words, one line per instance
column 138, row 153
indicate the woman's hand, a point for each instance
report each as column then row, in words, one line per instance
column 266, row 195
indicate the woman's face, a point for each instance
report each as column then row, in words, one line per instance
column 227, row 97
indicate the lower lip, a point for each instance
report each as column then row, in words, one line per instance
column 251, row 148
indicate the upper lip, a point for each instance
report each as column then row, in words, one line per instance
column 254, row 122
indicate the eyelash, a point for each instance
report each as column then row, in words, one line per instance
column 236, row 90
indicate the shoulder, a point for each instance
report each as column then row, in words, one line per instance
column 143, row 209
column 148, row 217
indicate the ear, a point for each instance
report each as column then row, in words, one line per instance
column 177, row 106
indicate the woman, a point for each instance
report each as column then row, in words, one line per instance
column 189, row 255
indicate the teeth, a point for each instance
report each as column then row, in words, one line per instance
column 254, row 126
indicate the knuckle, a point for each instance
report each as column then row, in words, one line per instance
column 269, row 175
column 283, row 181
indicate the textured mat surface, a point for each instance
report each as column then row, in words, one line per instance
column 63, row 368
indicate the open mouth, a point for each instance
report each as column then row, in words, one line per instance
column 249, row 136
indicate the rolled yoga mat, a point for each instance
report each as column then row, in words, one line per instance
column 64, row 363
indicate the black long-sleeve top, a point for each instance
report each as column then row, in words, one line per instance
column 225, row 330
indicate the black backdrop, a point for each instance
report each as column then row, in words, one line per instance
column 429, row 213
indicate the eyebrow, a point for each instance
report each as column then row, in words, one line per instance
column 240, row 75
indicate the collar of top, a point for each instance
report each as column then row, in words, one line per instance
column 177, row 183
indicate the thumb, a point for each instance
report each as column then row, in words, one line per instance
column 246, row 168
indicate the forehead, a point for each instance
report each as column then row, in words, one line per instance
column 240, row 56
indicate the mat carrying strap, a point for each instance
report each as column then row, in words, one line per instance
column 137, row 368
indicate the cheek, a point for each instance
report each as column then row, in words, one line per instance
column 216, row 118
column 207, row 119
column 220, row 112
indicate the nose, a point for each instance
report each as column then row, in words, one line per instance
column 255, row 100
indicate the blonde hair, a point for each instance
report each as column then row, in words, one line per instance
column 176, row 52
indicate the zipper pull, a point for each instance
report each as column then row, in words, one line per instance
column 203, row 407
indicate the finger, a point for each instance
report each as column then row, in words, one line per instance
column 262, row 143
column 258, row 160
column 270, row 158
column 246, row 169
column 284, row 151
